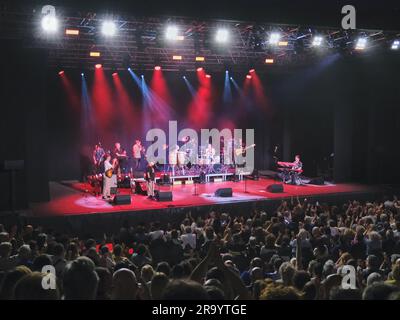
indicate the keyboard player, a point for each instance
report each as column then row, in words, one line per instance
column 290, row 171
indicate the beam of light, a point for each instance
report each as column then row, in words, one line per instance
column 199, row 111
column 129, row 116
column 71, row 92
column 88, row 130
column 49, row 23
column 135, row 78
column 259, row 94
column 103, row 101
column 227, row 90
column 190, row 87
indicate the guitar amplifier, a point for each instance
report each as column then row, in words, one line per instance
column 122, row 199
column 163, row 195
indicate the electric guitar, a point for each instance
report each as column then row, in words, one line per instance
column 240, row 151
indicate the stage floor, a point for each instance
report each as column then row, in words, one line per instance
column 76, row 199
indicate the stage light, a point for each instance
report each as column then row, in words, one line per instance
column 361, row 44
column 72, row 32
column 252, row 70
column 222, row 36
column 176, row 57
column 108, row 28
column 98, row 66
column 115, row 74
column 49, row 23
column 200, row 59
column 269, row 60
column 274, row 38
column 94, row 54
column 171, row 33
column 199, row 69
column 184, row 77
column 248, row 76
column 82, row 74
column 283, row 43
column 158, row 68
column 395, row 45
column 142, row 76
column 231, row 78
column 61, row 72
column 129, row 69
column 208, row 76
column 317, row 41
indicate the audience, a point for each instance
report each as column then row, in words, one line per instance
column 300, row 251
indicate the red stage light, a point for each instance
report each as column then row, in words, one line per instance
column 157, row 68
column 248, row 76
column 199, row 69
column 252, row 70
column 115, row 74
column 98, row 66
column 208, row 76
column 61, row 72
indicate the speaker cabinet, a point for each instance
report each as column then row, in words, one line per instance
column 122, row 199
column 223, row 192
column 163, row 195
column 275, row 188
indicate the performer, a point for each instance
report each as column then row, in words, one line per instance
column 292, row 174
column 149, row 176
column 120, row 155
column 137, row 151
column 109, row 177
column 173, row 158
column 210, row 153
column 98, row 158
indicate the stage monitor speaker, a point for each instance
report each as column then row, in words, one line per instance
column 317, row 181
column 140, row 188
column 275, row 188
column 163, row 195
column 122, row 199
column 223, row 192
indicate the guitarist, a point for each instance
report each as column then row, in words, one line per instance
column 108, row 176
column 149, row 176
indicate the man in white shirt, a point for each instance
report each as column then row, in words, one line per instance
column 188, row 238
column 137, row 150
column 109, row 180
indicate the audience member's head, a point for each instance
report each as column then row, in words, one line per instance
column 125, row 285
column 185, row 290
column 30, row 287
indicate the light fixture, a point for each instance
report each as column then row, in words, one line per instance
column 98, row 66
column 222, row 36
column 108, row 28
column 269, row 60
column 171, row 33
column 395, row 45
column 361, row 44
column 317, row 41
column 274, row 38
column 49, row 23
column 72, row 32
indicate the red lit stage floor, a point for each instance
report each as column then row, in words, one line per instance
column 73, row 200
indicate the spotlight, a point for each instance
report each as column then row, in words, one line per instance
column 222, row 36
column 184, row 77
column 142, row 76
column 94, row 54
column 269, row 61
column 49, row 23
column 199, row 69
column 395, row 45
column 200, row 59
column 171, row 33
column 208, row 76
column 317, row 41
column 61, row 72
column 231, row 78
column 274, row 38
column 108, row 28
column 114, row 74
column 248, row 76
column 129, row 69
column 252, row 70
column 361, row 44
column 98, row 66
column 176, row 57
column 157, row 68
column 82, row 74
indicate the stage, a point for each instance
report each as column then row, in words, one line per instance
column 72, row 206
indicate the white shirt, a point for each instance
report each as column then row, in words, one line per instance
column 156, row 234
column 107, row 165
column 136, row 151
column 189, row 239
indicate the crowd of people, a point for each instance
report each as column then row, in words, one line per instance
column 297, row 252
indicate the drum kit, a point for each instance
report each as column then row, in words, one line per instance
column 185, row 163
